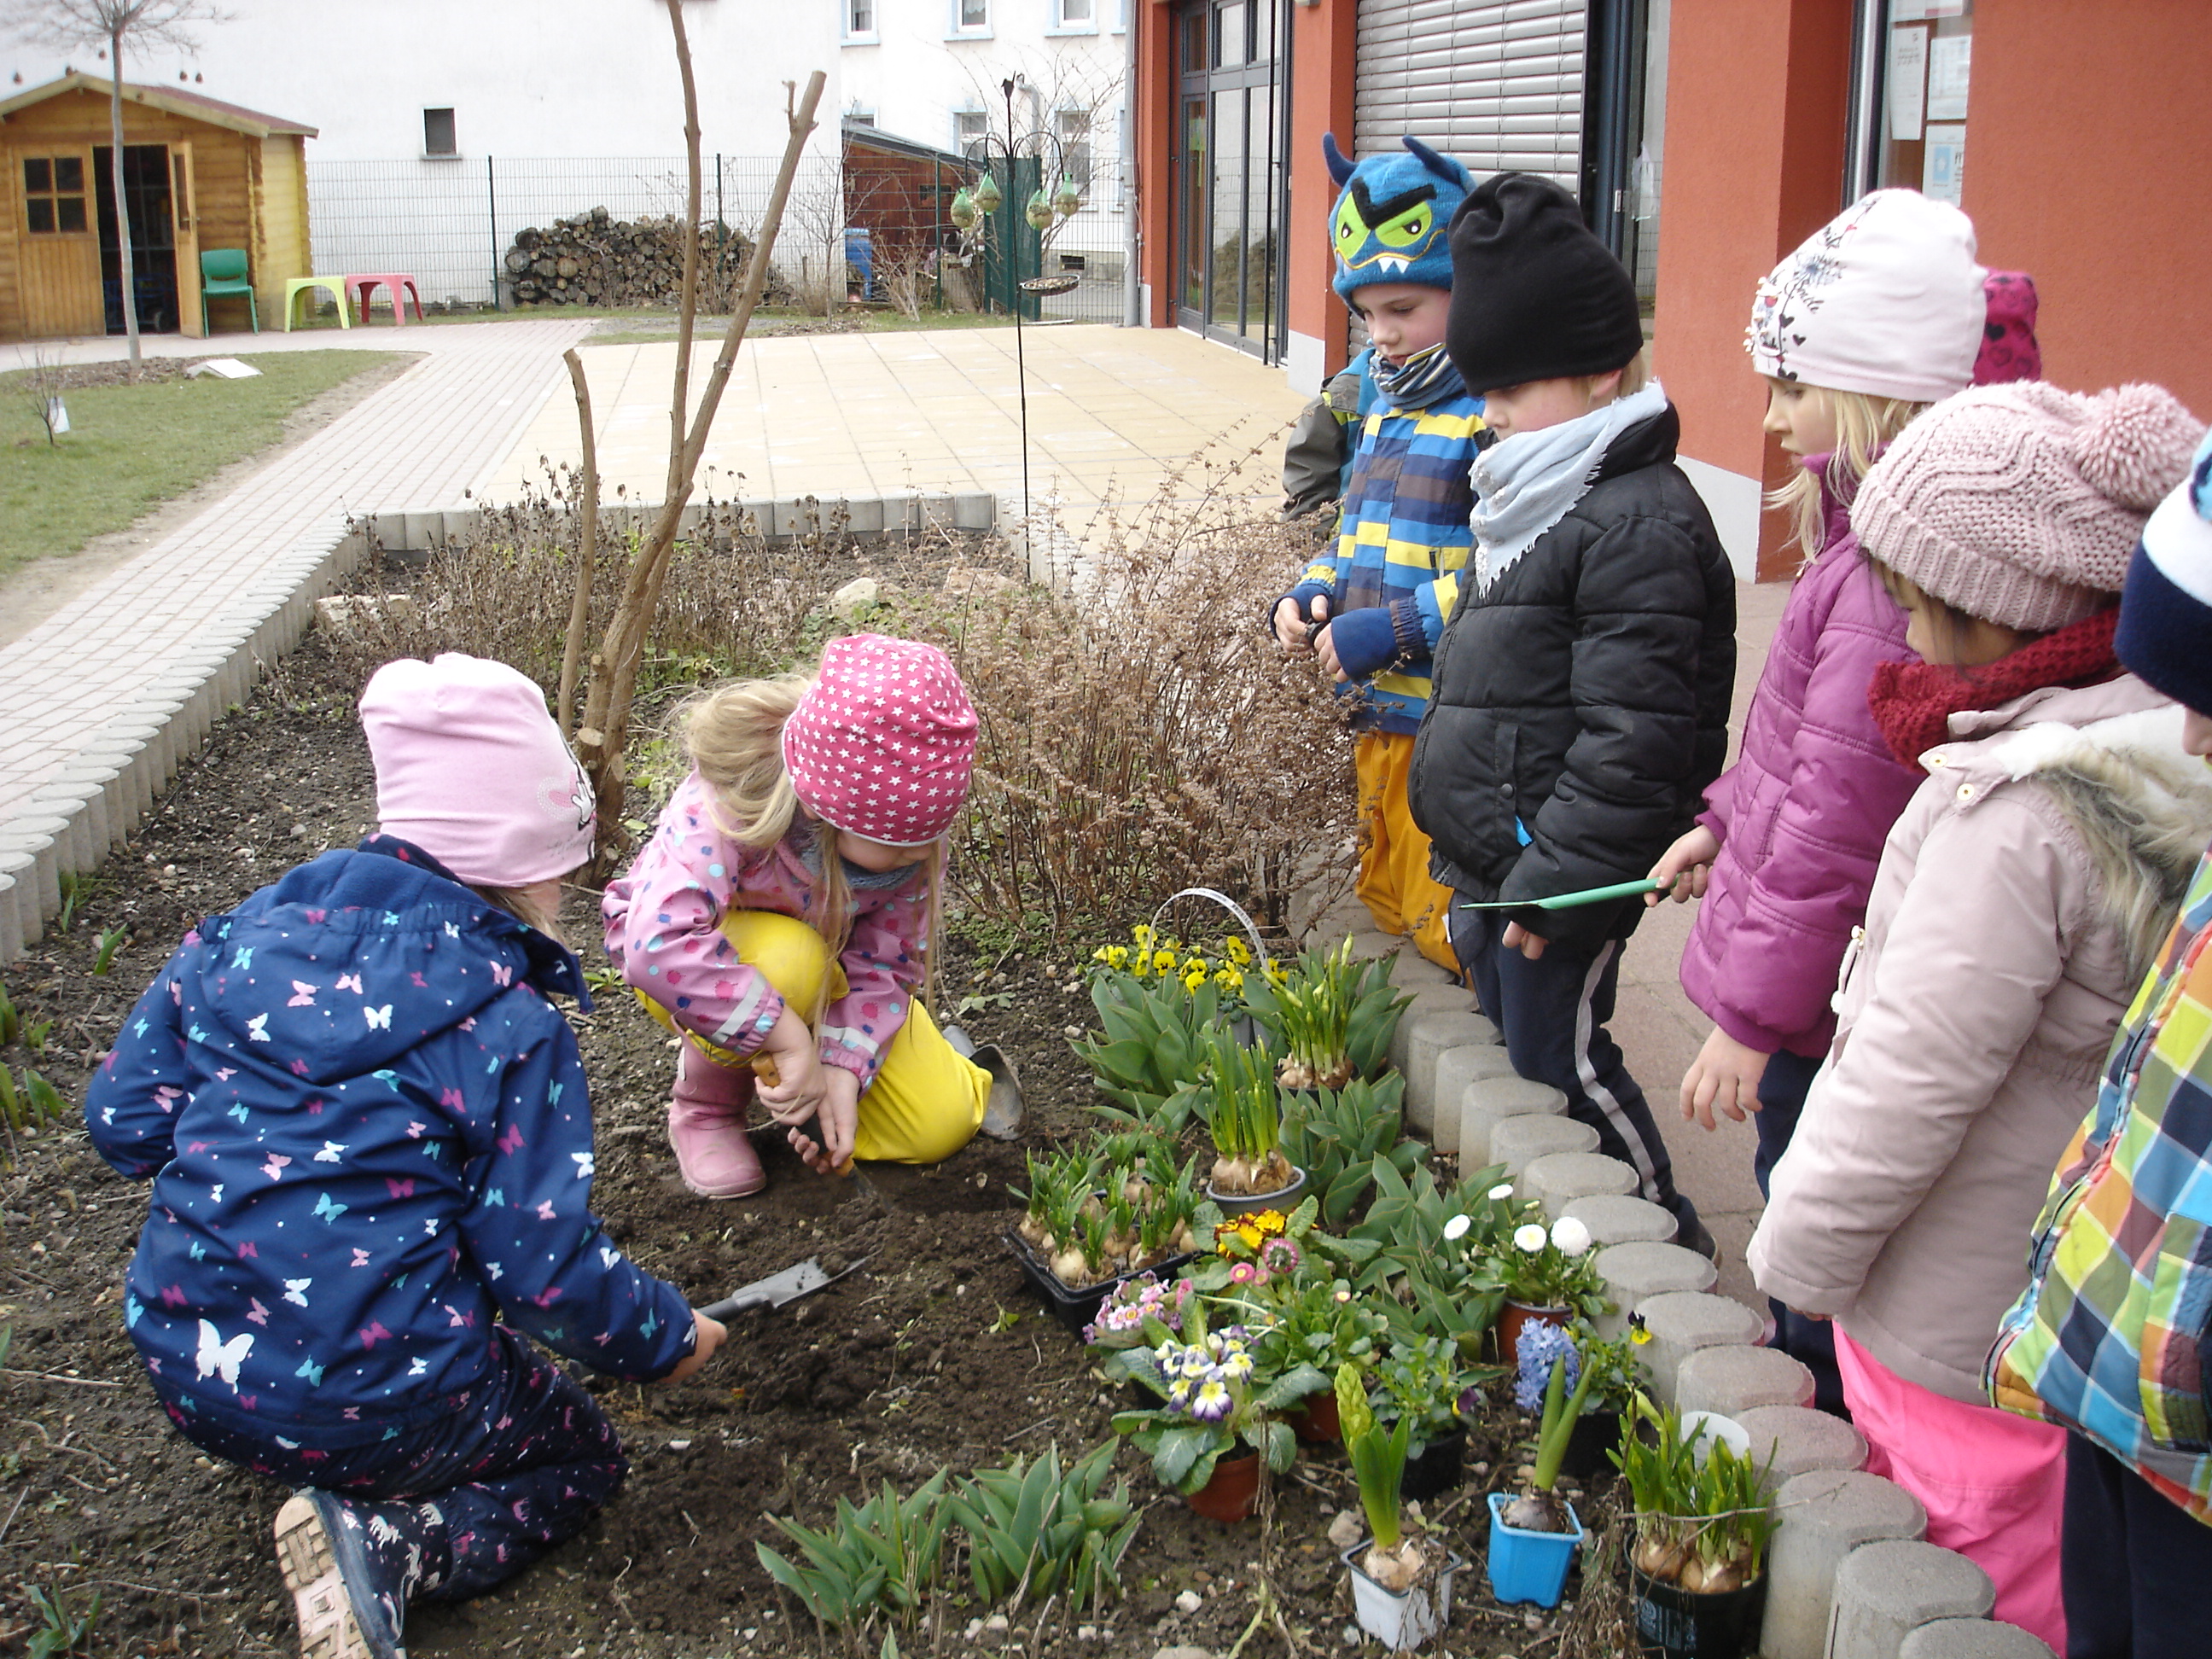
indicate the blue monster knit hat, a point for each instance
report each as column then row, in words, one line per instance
column 2165, row 612
column 1391, row 212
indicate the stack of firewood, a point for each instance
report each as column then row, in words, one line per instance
column 597, row 259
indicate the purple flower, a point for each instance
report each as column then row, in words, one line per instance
column 1541, row 1346
column 1280, row 1256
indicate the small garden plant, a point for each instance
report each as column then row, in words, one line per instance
column 1397, row 1559
column 1333, row 1018
column 1241, row 1105
column 1703, row 1510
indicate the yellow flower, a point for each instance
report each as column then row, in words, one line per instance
column 1270, row 1222
column 1245, row 1228
column 1143, row 934
column 1229, row 978
column 1278, row 975
column 1196, row 976
column 1117, row 955
column 1164, row 962
column 1234, row 949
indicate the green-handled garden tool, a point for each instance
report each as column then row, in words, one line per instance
column 1619, row 890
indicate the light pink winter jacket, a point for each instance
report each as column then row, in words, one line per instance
column 1971, row 1024
column 663, row 925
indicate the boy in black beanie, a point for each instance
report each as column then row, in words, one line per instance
column 1581, row 698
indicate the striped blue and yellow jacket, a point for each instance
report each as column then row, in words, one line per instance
column 1404, row 537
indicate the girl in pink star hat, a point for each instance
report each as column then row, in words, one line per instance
column 786, row 911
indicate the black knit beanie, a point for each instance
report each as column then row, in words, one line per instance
column 1534, row 296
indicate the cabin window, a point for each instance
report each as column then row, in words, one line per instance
column 53, row 195
column 438, row 133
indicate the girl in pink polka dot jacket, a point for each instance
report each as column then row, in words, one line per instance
column 785, row 913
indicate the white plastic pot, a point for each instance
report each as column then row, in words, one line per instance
column 1401, row 1620
column 1718, row 1430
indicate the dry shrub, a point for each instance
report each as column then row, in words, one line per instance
column 1144, row 734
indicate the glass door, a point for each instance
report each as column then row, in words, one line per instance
column 1230, row 178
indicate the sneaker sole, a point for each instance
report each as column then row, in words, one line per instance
column 328, row 1629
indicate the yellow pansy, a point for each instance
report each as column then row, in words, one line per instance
column 1233, row 948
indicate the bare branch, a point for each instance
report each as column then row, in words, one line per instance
column 71, row 23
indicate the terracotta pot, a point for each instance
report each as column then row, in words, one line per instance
column 1514, row 1315
column 1314, row 1419
column 1233, row 1492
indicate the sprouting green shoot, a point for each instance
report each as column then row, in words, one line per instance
column 1559, row 1415
column 1378, row 1459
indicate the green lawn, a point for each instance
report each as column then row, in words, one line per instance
column 132, row 446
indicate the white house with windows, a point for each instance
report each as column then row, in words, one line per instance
column 934, row 72
column 445, row 127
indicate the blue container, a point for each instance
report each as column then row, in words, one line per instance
column 1530, row 1566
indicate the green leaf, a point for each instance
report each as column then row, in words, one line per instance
column 1178, row 1455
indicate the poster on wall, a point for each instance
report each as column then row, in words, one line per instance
column 1943, row 168
column 1907, row 81
column 1950, row 58
column 1904, row 11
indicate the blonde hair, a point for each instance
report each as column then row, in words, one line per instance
column 523, row 906
column 1864, row 424
column 733, row 737
column 1635, row 376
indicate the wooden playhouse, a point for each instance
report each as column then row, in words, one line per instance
column 198, row 175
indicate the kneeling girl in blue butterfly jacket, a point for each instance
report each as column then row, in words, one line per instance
column 371, row 1154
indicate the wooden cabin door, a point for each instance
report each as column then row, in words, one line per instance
column 184, row 202
column 59, row 247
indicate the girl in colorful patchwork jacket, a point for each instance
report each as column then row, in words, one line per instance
column 2113, row 1337
column 1373, row 609
column 371, row 1150
column 2020, row 897
column 785, row 912
column 1876, row 316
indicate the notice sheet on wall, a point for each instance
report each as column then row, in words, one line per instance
column 1907, row 82
column 1943, row 167
column 1950, row 58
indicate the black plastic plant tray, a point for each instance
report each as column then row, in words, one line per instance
column 1076, row 1309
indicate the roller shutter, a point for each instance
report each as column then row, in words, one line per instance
column 1498, row 85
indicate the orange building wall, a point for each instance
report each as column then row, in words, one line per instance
column 1154, row 108
column 1757, row 94
column 2088, row 147
column 1323, row 39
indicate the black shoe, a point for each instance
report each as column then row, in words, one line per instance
column 1002, row 1111
column 348, row 1568
column 1700, row 1239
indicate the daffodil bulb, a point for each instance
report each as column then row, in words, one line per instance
column 1457, row 1227
column 1503, row 1190
column 1530, row 1238
column 1571, row 1235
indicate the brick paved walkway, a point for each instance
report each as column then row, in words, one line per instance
column 436, row 431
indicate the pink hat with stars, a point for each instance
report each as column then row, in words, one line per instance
column 883, row 743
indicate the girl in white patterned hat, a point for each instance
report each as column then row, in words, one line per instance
column 784, row 915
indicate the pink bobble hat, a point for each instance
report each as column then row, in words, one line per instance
column 883, row 743
column 470, row 768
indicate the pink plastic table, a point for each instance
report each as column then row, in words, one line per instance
column 393, row 282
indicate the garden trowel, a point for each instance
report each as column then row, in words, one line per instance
column 777, row 1289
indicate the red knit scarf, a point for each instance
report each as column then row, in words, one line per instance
column 1913, row 701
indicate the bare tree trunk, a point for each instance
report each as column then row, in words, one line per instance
column 614, row 680
column 130, row 283
column 587, row 543
column 687, row 304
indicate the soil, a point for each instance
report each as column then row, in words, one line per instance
column 932, row 1355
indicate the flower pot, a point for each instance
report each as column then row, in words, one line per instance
column 1401, row 1620
column 1515, row 1315
column 1314, row 1419
column 1530, row 1566
column 1076, row 1309
column 1435, row 1468
column 1283, row 1198
column 1232, row 1492
column 1673, row 1622
column 1594, row 1435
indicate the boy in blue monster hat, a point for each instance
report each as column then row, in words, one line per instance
column 1373, row 609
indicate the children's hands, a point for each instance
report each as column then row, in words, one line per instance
column 1292, row 631
column 1725, row 1077
column 796, row 1094
column 840, row 1119
column 1324, row 646
column 708, row 1338
column 1691, row 856
column 1517, row 938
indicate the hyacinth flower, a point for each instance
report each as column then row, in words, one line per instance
column 1542, row 1347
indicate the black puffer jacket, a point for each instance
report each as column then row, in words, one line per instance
column 1585, row 697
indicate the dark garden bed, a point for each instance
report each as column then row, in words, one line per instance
column 933, row 1356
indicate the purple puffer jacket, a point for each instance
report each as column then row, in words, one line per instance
column 1803, row 814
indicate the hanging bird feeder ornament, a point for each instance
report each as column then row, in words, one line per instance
column 1067, row 198
column 1038, row 212
column 987, row 196
column 964, row 211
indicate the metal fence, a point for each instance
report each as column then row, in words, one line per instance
column 450, row 223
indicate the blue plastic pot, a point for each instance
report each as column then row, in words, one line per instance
column 1530, row 1566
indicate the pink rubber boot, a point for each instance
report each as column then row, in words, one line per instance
column 707, row 1128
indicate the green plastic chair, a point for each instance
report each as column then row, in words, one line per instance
column 223, row 276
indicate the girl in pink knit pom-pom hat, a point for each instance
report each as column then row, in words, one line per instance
column 784, row 915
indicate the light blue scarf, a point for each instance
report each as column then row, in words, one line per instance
column 1527, row 482
column 1426, row 377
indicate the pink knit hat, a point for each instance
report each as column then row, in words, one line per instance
column 470, row 768
column 883, row 743
column 2019, row 504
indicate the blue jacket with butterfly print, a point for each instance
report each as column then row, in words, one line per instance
column 369, row 1138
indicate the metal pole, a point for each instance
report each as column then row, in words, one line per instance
column 1021, row 364
column 1133, row 301
column 498, row 265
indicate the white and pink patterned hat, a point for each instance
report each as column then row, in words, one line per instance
column 883, row 743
